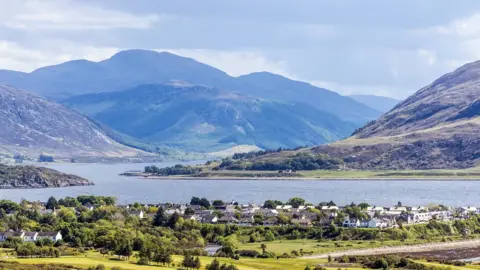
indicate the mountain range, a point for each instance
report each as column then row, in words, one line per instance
column 206, row 119
column 157, row 100
column 130, row 68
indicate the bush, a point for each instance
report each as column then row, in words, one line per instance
column 248, row 253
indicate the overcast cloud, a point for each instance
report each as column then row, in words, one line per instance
column 390, row 48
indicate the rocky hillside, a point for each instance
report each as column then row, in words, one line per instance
column 37, row 177
column 200, row 118
column 31, row 125
column 437, row 127
column 131, row 68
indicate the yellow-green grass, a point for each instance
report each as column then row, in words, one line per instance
column 316, row 247
column 453, row 267
column 93, row 259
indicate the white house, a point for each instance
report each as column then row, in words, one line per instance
column 468, row 210
column 54, row 236
column 5, row 235
column 378, row 223
column 352, row 223
column 136, row 213
column 29, row 236
column 330, row 210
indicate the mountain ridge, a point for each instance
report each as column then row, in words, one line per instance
column 79, row 77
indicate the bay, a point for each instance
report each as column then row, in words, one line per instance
column 108, row 182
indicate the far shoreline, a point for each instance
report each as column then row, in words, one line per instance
column 183, row 178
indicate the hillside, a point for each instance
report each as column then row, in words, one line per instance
column 436, row 128
column 379, row 103
column 37, row 177
column 32, row 125
column 200, row 118
column 131, row 68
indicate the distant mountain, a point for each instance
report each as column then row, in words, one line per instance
column 201, row 118
column 37, row 177
column 379, row 103
column 131, row 68
column 31, row 125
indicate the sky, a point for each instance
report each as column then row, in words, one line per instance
column 389, row 48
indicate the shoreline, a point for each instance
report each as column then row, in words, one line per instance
column 173, row 177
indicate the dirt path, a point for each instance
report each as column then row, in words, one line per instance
column 400, row 249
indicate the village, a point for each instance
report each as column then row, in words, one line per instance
column 271, row 213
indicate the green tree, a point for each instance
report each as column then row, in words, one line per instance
column 263, row 247
column 296, row 202
column 160, row 218
column 215, row 265
column 52, row 203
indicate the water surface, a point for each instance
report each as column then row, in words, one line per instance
column 129, row 189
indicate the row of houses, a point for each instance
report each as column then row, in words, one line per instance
column 31, row 236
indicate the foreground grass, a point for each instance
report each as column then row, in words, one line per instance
column 94, row 259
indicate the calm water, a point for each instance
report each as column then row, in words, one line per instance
column 128, row 189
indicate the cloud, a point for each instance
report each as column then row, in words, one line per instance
column 377, row 90
column 16, row 57
column 68, row 15
column 428, row 55
column 465, row 27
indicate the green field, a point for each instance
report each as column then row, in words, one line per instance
column 93, row 259
column 316, row 247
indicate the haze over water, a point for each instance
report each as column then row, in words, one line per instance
column 108, row 182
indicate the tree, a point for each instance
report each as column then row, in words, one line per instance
column 196, row 263
column 160, row 218
column 215, row 265
column 272, row 204
column 295, row 202
column 218, row 203
column 269, row 236
column 188, row 261
column 172, row 221
column 263, row 247
column 202, row 202
column 52, row 203
column 364, row 205
column 399, row 204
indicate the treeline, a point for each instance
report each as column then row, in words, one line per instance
column 29, row 250
column 254, row 154
column 52, row 202
column 301, row 161
column 175, row 170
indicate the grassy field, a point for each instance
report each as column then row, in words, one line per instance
column 316, row 247
column 94, row 259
